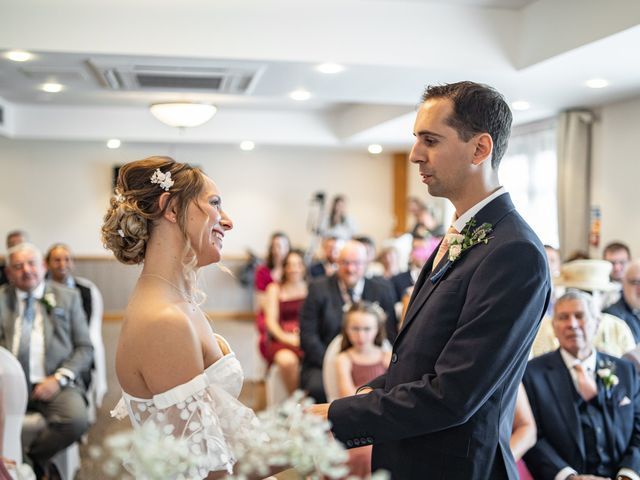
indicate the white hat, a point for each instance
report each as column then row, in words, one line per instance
column 587, row 275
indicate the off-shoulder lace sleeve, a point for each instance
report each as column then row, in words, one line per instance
column 205, row 415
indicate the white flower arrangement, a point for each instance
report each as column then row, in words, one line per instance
column 162, row 179
column 607, row 373
column 469, row 237
column 286, row 437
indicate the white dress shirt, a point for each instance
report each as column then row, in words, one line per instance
column 463, row 219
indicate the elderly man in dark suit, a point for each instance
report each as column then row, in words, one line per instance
column 44, row 325
column 445, row 407
column 321, row 315
column 586, row 403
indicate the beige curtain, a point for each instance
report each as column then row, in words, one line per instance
column 574, row 180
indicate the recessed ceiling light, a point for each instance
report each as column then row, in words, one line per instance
column 300, row 95
column 520, row 105
column 597, row 83
column 247, row 145
column 114, row 143
column 375, row 149
column 329, row 68
column 19, row 56
column 52, row 87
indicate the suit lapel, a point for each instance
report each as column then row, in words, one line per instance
column 491, row 213
column 561, row 384
column 47, row 322
column 10, row 316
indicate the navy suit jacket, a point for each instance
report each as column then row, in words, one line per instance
column 560, row 443
column 444, row 409
column 622, row 310
column 322, row 311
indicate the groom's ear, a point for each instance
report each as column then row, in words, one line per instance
column 168, row 208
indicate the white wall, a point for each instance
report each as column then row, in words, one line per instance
column 616, row 172
column 58, row 191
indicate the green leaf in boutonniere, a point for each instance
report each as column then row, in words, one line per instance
column 607, row 374
column 469, row 237
column 49, row 301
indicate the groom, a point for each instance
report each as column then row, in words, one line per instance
column 444, row 409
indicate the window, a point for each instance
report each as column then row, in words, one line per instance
column 529, row 173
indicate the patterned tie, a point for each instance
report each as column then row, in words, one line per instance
column 444, row 246
column 25, row 336
column 586, row 384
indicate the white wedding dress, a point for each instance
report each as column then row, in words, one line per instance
column 204, row 411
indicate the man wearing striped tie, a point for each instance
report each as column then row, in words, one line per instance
column 445, row 407
column 43, row 324
column 586, row 403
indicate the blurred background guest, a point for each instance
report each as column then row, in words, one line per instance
column 327, row 265
column 283, row 302
column 339, row 224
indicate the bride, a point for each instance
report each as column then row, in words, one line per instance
column 174, row 371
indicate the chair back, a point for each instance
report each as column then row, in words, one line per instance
column 329, row 370
column 13, row 404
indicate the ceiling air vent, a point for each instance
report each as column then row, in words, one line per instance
column 235, row 79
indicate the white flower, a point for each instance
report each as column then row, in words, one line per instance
column 455, row 238
column 604, row 372
column 50, row 299
column 454, row 251
column 162, row 179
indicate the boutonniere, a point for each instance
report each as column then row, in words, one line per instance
column 49, row 301
column 469, row 237
column 607, row 374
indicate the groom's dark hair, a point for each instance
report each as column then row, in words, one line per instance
column 477, row 108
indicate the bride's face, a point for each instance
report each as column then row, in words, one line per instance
column 207, row 224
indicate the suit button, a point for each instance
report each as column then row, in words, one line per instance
column 394, row 358
column 356, row 442
column 363, row 441
column 349, row 443
column 369, row 440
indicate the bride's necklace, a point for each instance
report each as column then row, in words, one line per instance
column 189, row 298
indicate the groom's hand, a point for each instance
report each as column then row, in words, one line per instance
column 320, row 409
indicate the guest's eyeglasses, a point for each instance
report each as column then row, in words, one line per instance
column 635, row 282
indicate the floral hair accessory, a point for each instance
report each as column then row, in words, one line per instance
column 162, row 179
column 121, row 232
column 118, row 196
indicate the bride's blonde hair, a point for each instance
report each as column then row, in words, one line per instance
column 135, row 207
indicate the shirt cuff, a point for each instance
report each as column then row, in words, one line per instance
column 67, row 373
column 627, row 472
column 564, row 473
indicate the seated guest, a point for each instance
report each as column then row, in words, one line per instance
column 321, row 316
column 326, row 267
column 628, row 307
column 43, row 324
column 282, row 316
column 270, row 271
column 619, row 255
column 13, row 238
column 338, row 223
column 592, row 276
column 586, row 403
column 374, row 268
column 60, row 264
column 421, row 249
column 388, row 258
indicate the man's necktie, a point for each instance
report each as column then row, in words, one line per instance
column 350, row 293
column 586, row 384
column 25, row 336
column 444, row 246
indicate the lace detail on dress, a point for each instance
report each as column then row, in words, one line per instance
column 203, row 411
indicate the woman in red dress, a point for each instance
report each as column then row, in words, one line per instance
column 283, row 302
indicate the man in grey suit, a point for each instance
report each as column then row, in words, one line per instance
column 43, row 324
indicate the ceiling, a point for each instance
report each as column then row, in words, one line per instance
column 539, row 51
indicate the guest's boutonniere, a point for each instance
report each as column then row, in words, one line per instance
column 49, row 301
column 607, row 374
column 469, row 237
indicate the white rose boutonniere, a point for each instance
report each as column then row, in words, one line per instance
column 49, row 301
column 607, row 374
column 469, row 237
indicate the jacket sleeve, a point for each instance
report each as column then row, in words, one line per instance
column 81, row 358
column 496, row 325
column 631, row 457
column 310, row 324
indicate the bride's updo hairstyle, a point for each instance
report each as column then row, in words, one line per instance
column 135, row 207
